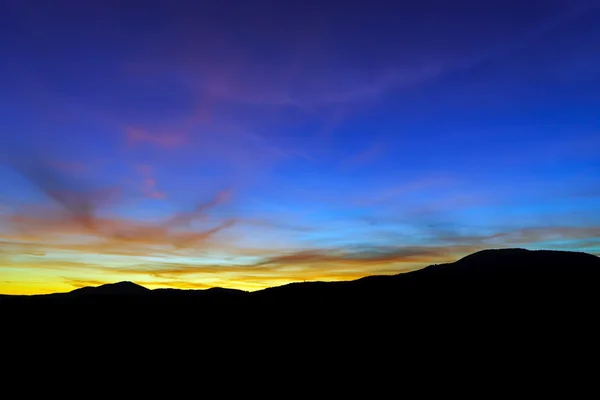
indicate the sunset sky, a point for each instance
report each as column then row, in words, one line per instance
column 248, row 144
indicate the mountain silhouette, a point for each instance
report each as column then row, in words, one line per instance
column 496, row 277
column 507, row 304
column 119, row 288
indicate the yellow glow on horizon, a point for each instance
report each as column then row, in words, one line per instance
column 31, row 279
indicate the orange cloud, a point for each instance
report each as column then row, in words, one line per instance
column 105, row 236
column 393, row 255
column 307, row 265
column 44, row 228
column 79, row 283
column 34, row 238
column 73, row 216
column 274, row 269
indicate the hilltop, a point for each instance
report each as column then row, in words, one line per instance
column 494, row 276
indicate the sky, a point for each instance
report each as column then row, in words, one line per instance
column 251, row 143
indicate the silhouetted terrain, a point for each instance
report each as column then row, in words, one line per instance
column 509, row 305
column 501, row 280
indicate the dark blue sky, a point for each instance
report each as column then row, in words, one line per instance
column 252, row 143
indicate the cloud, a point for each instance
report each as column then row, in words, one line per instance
column 167, row 140
column 271, row 268
column 107, row 236
column 309, row 264
column 149, row 186
column 365, row 257
column 325, row 91
column 175, row 284
column 184, row 218
column 75, row 196
column 532, row 236
column 424, row 185
column 79, row 283
column 548, row 233
column 79, row 214
column 71, row 229
column 365, row 156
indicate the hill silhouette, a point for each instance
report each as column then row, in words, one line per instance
column 497, row 278
column 119, row 288
column 509, row 304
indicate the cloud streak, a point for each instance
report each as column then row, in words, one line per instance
column 149, row 185
column 78, row 210
column 241, row 145
column 167, row 140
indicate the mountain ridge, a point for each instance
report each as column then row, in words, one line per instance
column 495, row 295
column 479, row 263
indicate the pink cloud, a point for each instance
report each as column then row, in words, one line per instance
column 184, row 218
column 169, row 140
column 149, row 185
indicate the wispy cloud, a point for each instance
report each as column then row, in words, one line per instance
column 77, row 210
column 365, row 156
column 79, row 283
column 149, row 185
column 279, row 267
column 77, row 198
column 242, row 137
column 167, row 140
column 102, row 235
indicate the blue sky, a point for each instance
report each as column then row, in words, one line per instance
column 253, row 143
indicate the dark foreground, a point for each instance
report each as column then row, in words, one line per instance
column 491, row 285
column 493, row 315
